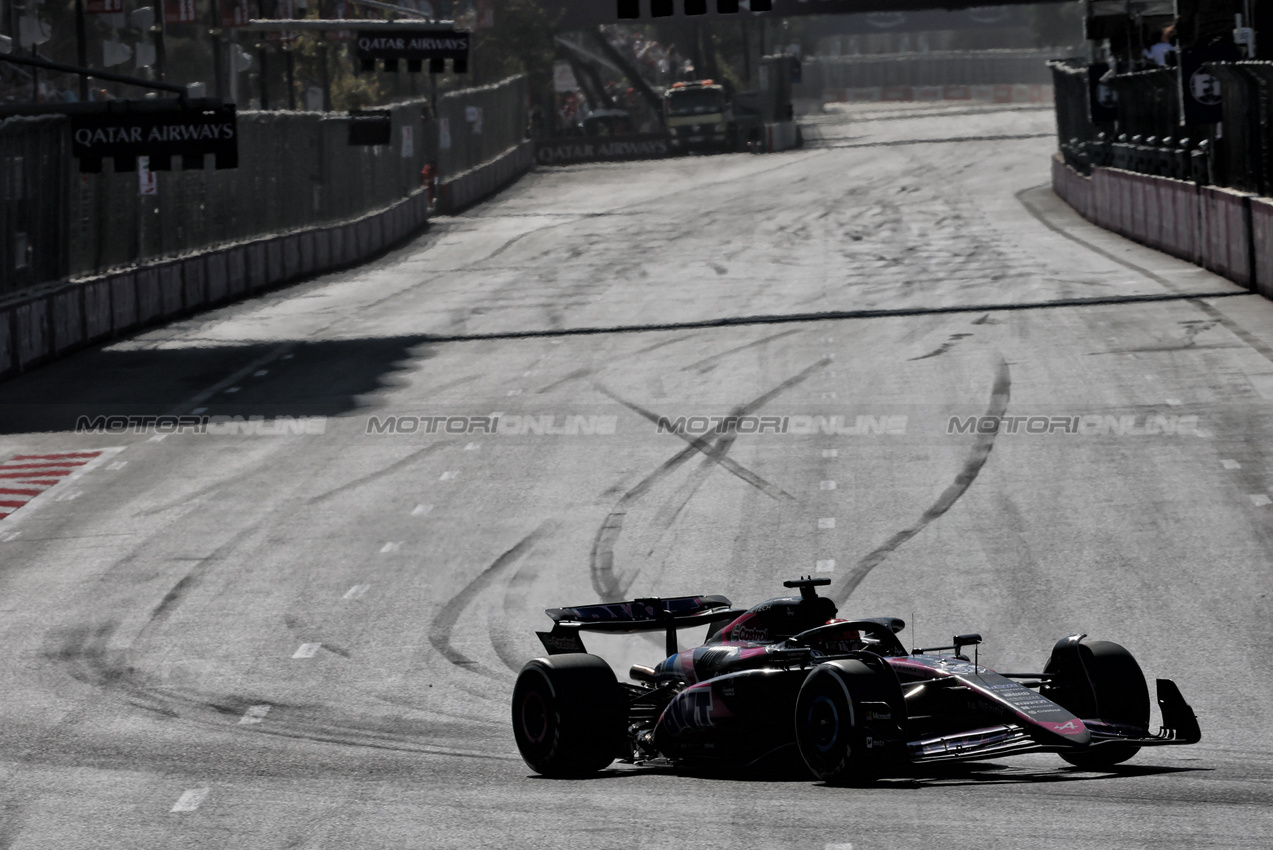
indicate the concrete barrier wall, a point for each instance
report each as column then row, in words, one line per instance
column 47, row 322
column 1019, row 93
column 1262, row 244
column 782, row 136
column 1227, row 232
column 465, row 189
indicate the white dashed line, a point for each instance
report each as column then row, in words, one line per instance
column 830, row 355
column 307, row 650
column 826, row 566
column 1203, row 432
column 358, row 591
column 514, row 392
column 449, row 476
column 233, row 389
column 1260, row 500
column 1229, row 463
column 391, row 546
column 826, row 485
column 826, row 522
column 554, row 342
column 255, row 714
column 71, row 496
column 9, row 536
column 158, row 438
column 260, row 373
column 119, row 464
column 190, row 800
column 1174, row 402
column 288, row 356
column 830, row 452
column 421, row 510
column 530, row 372
column 472, row 447
column 199, row 410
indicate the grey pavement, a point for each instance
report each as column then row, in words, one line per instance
column 309, row 638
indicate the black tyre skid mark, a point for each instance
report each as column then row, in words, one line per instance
column 387, row 470
column 443, row 625
column 605, row 581
column 943, row 348
column 999, row 396
column 85, row 654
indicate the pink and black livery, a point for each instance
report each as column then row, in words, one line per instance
column 788, row 678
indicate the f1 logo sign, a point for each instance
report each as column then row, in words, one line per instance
column 179, row 11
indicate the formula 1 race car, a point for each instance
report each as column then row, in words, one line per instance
column 788, row 676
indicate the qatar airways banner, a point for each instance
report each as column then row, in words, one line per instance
column 575, row 149
column 159, row 135
column 412, row 45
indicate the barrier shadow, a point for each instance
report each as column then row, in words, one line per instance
column 306, row 378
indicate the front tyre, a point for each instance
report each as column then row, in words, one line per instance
column 569, row 715
column 1099, row 680
column 829, row 724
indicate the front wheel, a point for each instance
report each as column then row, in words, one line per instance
column 832, row 731
column 569, row 715
column 1098, row 680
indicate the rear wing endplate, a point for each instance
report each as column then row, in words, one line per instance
column 639, row 615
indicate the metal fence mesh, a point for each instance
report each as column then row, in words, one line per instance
column 296, row 169
column 991, row 67
column 35, row 176
column 476, row 125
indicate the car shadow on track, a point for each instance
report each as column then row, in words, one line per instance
column 972, row 773
column 990, row 773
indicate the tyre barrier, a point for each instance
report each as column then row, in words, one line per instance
column 463, row 190
column 1222, row 230
column 44, row 323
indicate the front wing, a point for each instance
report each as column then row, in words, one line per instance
column 1180, row 726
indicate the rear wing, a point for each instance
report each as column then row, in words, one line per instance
column 639, row 615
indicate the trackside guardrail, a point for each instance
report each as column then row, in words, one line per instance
column 296, row 170
column 113, row 279
column 50, row 321
column 1226, row 231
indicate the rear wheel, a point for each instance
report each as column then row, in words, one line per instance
column 569, row 715
column 832, row 730
column 1101, row 681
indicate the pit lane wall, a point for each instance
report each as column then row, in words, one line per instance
column 1225, row 231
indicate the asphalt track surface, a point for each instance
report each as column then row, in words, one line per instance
column 309, row 640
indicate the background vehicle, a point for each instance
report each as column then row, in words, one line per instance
column 787, row 675
column 606, row 122
column 699, row 116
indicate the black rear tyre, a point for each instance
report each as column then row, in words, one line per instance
column 569, row 715
column 1103, row 682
